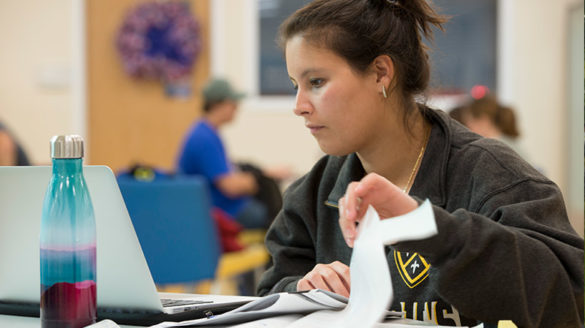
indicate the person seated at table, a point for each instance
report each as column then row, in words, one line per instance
column 505, row 249
column 232, row 189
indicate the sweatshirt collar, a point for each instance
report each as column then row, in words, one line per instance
column 351, row 170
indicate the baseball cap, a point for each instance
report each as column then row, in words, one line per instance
column 218, row 90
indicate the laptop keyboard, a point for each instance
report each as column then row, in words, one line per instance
column 167, row 302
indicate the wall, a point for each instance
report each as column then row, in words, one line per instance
column 42, row 86
column 533, row 77
column 576, row 105
column 35, row 61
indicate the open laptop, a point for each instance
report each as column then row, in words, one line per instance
column 126, row 291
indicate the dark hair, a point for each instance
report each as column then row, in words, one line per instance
column 506, row 121
column 361, row 30
column 501, row 116
column 458, row 113
column 208, row 105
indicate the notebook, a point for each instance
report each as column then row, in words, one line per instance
column 126, row 291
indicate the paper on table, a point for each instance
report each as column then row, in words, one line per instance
column 274, row 305
column 371, row 284
column 106, row 323
column 280, row 321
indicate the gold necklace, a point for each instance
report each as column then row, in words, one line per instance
column 417, row 163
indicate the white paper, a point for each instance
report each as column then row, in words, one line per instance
column 270, row 306
column 274, row 322
column 107, row 323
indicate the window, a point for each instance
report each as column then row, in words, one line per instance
column 273, row 76
column 465, row 54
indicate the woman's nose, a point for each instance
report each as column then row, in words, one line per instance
column 302, row 104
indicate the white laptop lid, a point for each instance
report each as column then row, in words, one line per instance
column 123, row 277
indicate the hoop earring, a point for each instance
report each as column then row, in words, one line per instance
column 384, row 92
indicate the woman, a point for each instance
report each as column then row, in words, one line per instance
column 488, row 118
column 505, row 248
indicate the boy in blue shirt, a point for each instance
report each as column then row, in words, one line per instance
column 203, row 153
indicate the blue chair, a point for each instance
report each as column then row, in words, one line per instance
column 173, row 222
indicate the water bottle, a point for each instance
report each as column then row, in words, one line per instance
column 67, row 241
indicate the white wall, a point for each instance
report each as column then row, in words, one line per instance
column 35, row 61
column 533, row 78
column 575, row 105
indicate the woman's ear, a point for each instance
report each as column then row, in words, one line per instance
column 384, row 68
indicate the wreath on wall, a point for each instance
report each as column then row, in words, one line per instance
column 159, row 40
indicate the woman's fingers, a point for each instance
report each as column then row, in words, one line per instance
column 347, row 226
column 317, row 280
column 387, row 198
column 348, row 214
column 351, row 202
column 332, row 277
column 323, row 276
column 304, row 284
column 343, row 273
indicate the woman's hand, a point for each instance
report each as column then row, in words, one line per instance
column 333, row 277
column 388, row 200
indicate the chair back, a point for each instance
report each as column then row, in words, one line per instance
column 173, row 222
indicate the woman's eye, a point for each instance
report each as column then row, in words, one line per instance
column 316, row 82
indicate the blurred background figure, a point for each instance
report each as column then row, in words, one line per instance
column 246, row 193
column 490, row 119
column 11, row 153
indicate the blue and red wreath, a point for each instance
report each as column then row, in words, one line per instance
column 159, row 40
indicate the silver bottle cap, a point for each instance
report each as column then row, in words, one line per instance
column 67, row 146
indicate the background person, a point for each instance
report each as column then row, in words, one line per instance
column 505, row 248
column 11, row 152
column 203, row 153
column 489, row 118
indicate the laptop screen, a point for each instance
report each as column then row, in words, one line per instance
column 123, row 277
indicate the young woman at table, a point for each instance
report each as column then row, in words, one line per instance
column 504, row 249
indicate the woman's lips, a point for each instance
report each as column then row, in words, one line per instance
column 314, row 128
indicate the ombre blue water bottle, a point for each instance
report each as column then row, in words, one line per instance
column 67, row 241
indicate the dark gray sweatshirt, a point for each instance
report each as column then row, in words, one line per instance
column 505, row 248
